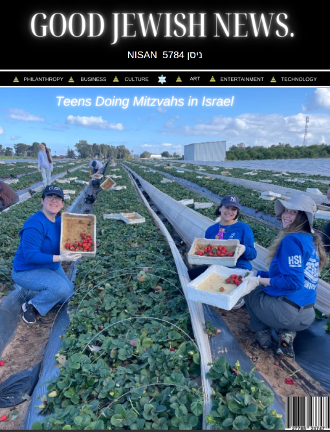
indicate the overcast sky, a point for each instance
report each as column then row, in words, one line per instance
column 257, row 116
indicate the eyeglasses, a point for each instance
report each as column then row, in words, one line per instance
column 53, row 198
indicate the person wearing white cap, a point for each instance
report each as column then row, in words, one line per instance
column 283, row 297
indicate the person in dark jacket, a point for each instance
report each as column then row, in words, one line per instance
column 8, row 196
column 283, row 297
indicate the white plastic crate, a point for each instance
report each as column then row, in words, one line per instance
column 213, row 277
column 117, row 188
column 322, row 214
column 129, row 218
column 231, row 245
column 202, row 205
column 314, row 190
column 187, row 201
column 270, row 193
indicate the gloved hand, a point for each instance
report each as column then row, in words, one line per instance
column 241, row 250
column 69, row 256
column 252, row 283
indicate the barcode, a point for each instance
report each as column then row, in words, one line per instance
column 307, row 412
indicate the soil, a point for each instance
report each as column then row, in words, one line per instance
column 25, row 350
column 238, row 321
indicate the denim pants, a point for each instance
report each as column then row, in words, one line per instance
column 272, row 312
column 53, row 286
column 46, row 176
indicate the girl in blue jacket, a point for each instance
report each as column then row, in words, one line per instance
column 229, row 227
column 285, row 294
column 37, row 262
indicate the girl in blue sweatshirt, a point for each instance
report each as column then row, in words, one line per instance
column 286, row 295
column 229, row 227
column 37, row 262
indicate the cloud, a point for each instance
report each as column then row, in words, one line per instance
column 170, row 122
column 258, row 129
column 162, row 110
column 320, row 99
column 167, row 145
column 1, row 130
column 15, row 137
column 147, row 145
column 93, row 123
column 19, row 114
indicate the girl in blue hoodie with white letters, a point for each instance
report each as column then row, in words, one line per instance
column 283, row 297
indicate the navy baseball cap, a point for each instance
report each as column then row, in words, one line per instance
column 94, row 163
column 230, row 201
column 53, row 190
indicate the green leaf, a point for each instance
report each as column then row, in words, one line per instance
column 37, row 426
column 241, row 423
column 130, row 418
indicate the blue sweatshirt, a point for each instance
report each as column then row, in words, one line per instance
column 238, row 231
column 40, row 240
column 43, row 160
column 294, row 270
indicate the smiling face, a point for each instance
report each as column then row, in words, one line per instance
column 228, row 214
column 52, row 204
column 288, row 216
column 42, row 147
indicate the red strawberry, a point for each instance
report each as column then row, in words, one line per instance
column 101, row 328
column 3, row 418
column 2, row 363
column 222, row 289
column 172, row 349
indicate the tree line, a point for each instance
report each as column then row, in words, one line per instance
column 277, row 151
column 82, row 150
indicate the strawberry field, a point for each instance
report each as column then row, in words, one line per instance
column 129, row 359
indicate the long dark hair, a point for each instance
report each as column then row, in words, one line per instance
column 299, row 225
column 50, row 160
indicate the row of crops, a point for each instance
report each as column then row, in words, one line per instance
column 288, row 179
column 30, row 176
column 129, row 359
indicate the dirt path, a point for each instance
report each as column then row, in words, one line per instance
column 25, row 350
column 238, row 322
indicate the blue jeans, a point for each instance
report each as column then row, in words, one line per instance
column 46, row 176
column 53, row 286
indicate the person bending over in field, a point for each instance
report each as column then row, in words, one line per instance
column 283, row 298
column 8, row 196
column 37, row 262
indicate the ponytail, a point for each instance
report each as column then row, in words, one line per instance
column 50, row 160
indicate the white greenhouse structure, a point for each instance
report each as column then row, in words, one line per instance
column 214, row 151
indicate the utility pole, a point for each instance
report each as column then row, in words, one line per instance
column 306, row 127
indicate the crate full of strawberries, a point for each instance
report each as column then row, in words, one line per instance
column 219, row 252
column 78, row 233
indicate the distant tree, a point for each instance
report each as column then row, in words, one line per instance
column 165, row 154
column 70, row 154
column 21, row 149
column 34, row 149
column 145, row 154
column 9, row 151
column 176, row 155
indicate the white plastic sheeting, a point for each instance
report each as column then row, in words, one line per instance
column 195, row 308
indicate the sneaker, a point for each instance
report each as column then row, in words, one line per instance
column 239, row 304
column 264, row 338
column 29, row 313
column 285, row 343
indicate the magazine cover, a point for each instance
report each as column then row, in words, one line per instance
column 164, row 217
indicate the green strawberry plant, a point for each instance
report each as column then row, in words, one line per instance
column 240, row 400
